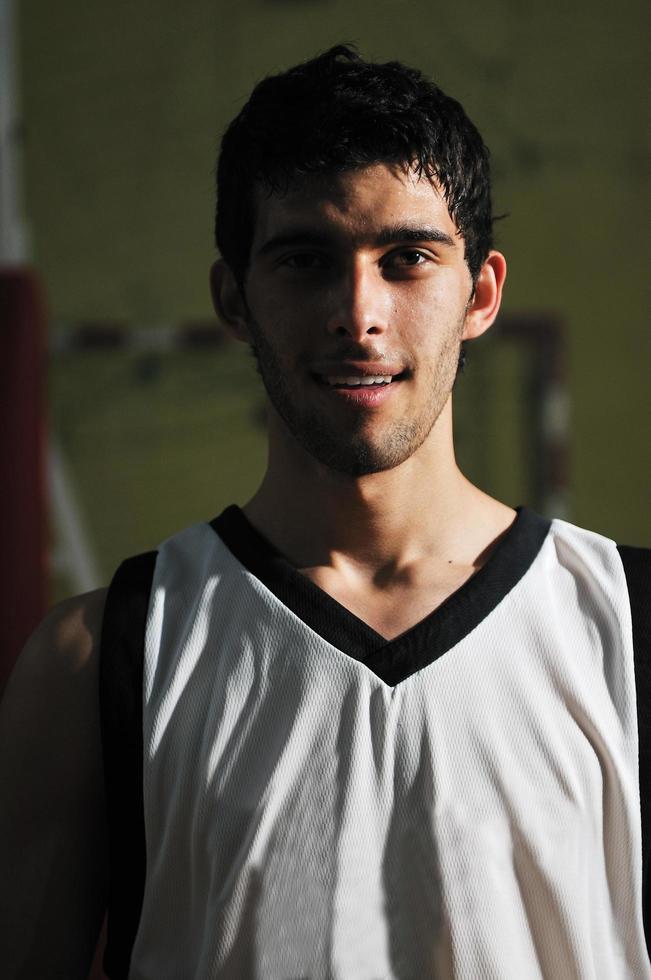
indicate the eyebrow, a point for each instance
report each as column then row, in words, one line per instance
column 407, row 233
column 391, row 235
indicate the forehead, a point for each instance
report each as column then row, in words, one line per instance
column 355, row 204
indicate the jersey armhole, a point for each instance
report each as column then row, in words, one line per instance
column 637, row 567
column 120, row 695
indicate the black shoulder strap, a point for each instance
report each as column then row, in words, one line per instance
column 637, row 566
column 120, row 691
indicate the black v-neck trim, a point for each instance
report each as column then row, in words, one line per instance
column 392, row 660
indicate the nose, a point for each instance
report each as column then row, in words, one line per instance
column 361, row 304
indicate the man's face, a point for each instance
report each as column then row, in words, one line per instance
column 358, row 276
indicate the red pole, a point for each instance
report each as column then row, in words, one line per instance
column 23, row 516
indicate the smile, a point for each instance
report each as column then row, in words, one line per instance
column 356, row 381
column 363, row 391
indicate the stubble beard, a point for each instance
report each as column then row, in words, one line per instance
column 351, row 451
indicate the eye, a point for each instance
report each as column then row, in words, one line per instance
column 406, row 258
column 304, row 261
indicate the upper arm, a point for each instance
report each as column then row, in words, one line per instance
column 52, row 822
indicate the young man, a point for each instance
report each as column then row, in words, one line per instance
column 375, row 723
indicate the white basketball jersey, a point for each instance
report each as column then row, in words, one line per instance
column 461, row 802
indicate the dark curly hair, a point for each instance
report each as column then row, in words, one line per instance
column 338, row 112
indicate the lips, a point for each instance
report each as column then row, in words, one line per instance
column 357, row 374
column 361, row 369
column 360, row 385
column 355, row 381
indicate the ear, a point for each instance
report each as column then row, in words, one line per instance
column 228, row 301
column 485, row 302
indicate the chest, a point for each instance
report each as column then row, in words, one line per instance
column 248, row 697
column 282, row 774
column 391, row 608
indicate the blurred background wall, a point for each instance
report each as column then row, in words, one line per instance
column 122, row 108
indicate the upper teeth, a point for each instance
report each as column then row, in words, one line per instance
column 368, row 380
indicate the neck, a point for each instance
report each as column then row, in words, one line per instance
column 316, row 516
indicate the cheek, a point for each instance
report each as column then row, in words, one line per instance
column 426, row 321
column 274, row 337
column 276, row 314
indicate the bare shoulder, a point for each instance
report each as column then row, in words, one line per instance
column 52, row 808
column 67, row 639
column 53, row 688
column 49, row 715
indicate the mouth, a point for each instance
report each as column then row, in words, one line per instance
column 352, row 382
column 359, row 389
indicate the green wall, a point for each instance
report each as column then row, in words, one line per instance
column 124, row 103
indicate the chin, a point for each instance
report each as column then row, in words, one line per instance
column 352, row 453
column 356, row 458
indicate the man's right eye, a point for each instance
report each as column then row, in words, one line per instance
column 305, row 261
